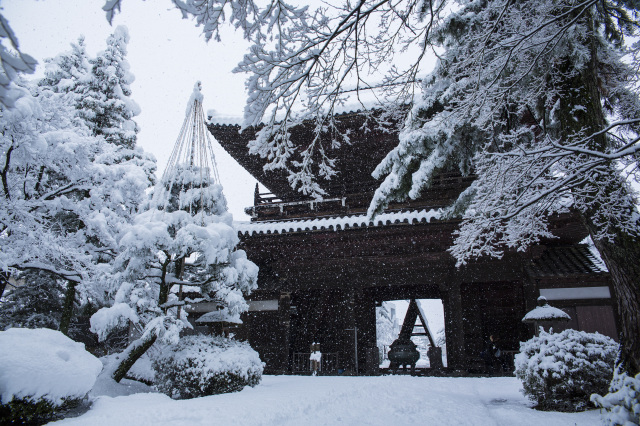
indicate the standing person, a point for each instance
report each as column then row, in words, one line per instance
column 315, row 358
column 491, row 354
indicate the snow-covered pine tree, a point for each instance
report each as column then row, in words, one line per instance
column 386, row 327
column 535, row 99
column 184, row 237
column 106, row 103
column 65, row 194
column 69, row 71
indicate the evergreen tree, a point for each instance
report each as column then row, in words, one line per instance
column 519, row 99
column 184, row 237
column 66, row 195
column 69, row 71
column 106, row 105
column 68, row 77
column 386, row 327
column 37, row 303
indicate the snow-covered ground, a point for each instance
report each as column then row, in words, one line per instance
column 296, row 400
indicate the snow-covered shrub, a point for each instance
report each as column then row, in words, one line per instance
column 206, row 365
column 560, row 371
column 42, row 371
column 35, row 304
column 622, row 404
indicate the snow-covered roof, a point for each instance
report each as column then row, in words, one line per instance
column 337, row 223
column 214, row 117
column 222, row 315
column 575, row 259
column 351, row 106
column 546, row 313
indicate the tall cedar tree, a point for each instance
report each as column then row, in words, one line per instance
column 519, row 99
column 106, row 104
column 67, row 193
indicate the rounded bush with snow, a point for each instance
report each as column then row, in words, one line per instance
column 41, row 372
column 560, row 371
column 206, row 365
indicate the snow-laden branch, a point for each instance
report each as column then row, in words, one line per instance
column 578, row 146
column 13, row 63
column 306, row 72
column 62, row 273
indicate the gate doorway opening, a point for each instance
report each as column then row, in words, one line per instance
column 391, row 315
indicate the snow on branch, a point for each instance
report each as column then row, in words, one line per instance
column 111, row 7
column 65, row 274
column 315, row 62
column 13, row 62
column 108, row 319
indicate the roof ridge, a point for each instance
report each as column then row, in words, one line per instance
column 340, row 222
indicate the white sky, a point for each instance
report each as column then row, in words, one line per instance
column 167, row 56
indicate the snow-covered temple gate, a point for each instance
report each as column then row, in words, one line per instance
column 324, row 267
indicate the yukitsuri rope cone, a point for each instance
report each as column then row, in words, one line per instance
column 192, row 166
column 191, row 172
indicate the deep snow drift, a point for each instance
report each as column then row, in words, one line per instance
column 46, row 364
column 296, row 400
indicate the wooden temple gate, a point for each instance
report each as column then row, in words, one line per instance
column 324, row 267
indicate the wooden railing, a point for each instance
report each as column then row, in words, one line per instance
column 267, row 207
column 302, row 364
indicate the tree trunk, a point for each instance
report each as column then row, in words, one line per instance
column 163, row 297
column 621, row 257
column 4, row 280
column 135, row 350
column 67, row 309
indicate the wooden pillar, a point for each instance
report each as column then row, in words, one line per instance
column 284, row 322
column 365, row 310
column 454, row 327
column 531, row 291
column 349, row 332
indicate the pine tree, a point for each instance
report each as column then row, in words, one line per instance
column 68, row 71
column 519, row 99
column 106, row 105
column 66, row 195
column 184, row 237
column 37, row 303
column 386, row 327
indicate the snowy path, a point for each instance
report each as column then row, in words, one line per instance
column 294, row 400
